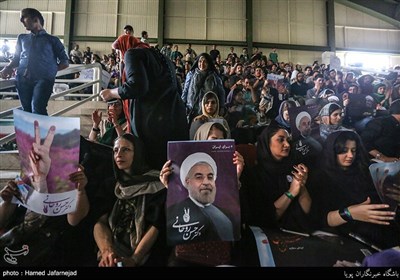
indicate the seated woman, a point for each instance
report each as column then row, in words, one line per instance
column 275, row 190
column 210, row 110
column 381, row 136
column 105, row 131
column 283, row 118
column 135, row 227
column 240, row 117
column 211, row 131
column 344, row 195
column 331, row 116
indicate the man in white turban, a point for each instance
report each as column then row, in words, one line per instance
column 303, row 123
column 196, row 218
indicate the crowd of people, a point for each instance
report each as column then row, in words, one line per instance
column 319, row 180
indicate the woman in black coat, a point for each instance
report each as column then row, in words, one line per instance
column 274, row 192
column 157, row 113
column 344, row 195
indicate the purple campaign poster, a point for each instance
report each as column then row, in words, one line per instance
column 203, row 197
column 303, row 121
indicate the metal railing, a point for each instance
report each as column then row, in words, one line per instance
column 95, row 81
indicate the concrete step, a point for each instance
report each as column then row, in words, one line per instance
column 9, row 166
column 6, row 176
column 9, row 160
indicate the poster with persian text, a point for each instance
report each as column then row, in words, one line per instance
column 203, row 196
column 49, row 152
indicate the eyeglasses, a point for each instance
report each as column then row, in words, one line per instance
column 116, row 104
column 123, row 150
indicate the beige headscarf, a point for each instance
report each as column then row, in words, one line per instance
column 203, row 131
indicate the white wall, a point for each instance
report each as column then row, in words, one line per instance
column 300, row 22
column 52, row 11
column 355, row 29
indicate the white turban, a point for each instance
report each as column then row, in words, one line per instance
column 300, row 116
column 192, row 160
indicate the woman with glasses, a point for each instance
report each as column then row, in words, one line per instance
column 131, row 234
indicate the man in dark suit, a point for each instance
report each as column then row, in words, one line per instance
column 196, row 218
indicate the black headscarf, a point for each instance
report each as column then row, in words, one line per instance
column 328, row 161
column 264, row 156
column 210, row 61
column 269, row 180
column 336, row 188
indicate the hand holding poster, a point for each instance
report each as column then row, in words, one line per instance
column 386, row 177
column 203, row 198
column 49, row 153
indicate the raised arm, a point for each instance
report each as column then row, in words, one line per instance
column 39, row 158
column 82, row 204
column 297, row 188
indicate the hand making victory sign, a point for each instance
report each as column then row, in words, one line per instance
column 40, row 158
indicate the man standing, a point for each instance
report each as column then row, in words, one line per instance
column 38, row 56
column 215, row 53
column 5, row 49
column 273, row 56
column 145, row 37
column 125, row 42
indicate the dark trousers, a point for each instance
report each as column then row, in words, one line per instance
column 34, row 95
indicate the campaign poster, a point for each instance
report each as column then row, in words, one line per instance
column 303, row 121
column 275, row 81
column 49, row 152
column 203, row 197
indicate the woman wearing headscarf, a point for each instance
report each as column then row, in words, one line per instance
column 381, row 96
column 210, row 112
column 283, row 118
column 202, row 78
column 331, row 116
column 133, row 230
column 344, row 195
column 211, row 131
column 275, row 189
column 105, row 131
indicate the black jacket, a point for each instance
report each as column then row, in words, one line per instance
column 158, row 113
